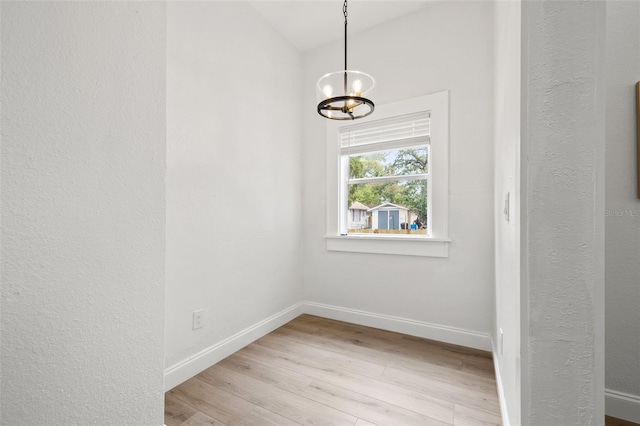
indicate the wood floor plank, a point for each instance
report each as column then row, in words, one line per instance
column 614, row 421
column 315, row 371
column 222, row 405
column 366, row 408
column 370, row 348
column 363, row 422
column 339, row 345
column 286, row 404
column 308, row 323
column 395, row 341
column 461, row 379
column 176, row 411
column 391, row 393
column 199, row 419
column 261, row 367
column 484, row 401
column 450, row 369
column 478, row 369
column 466, row 416
column 346, row 362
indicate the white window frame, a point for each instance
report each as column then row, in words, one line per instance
column 436, row 244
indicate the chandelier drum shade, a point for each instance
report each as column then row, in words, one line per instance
column 342, row 95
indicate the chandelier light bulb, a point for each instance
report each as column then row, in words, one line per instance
column 357, row 88
column 327, row 90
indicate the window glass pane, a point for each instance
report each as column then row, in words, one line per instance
column 397, row 162
column 397, row 207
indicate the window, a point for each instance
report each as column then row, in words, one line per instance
column 389, row 173
column 384, row 168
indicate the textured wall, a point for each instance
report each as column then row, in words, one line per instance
column 83, row 168
column 444, row 46
column 507, row 180
column 622, row 274
column 563, row 227
column 233, row 173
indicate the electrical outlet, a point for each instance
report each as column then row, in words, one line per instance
column 198, row 320
column 501, row 342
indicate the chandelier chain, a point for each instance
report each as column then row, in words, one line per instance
column 344, row 11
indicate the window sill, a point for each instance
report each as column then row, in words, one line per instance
column 404, row 246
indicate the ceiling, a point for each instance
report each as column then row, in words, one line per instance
column 311, row 23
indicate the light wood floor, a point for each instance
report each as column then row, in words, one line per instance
column 315, row 371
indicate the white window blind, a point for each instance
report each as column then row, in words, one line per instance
column 403, row 131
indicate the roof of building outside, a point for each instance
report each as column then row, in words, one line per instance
column 383, row 205
column 358, row 206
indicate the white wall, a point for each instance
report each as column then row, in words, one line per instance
column 622, row 271
column 562, row 199
column 445, row 46
column 233, row 176
column 83, row 203
column 507, row 181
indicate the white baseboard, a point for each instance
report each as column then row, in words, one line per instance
column 501, row 398
column 186, row 369
column 622, row 405
column 456, row 336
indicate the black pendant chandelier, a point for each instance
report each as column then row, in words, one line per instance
column 342, row 93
